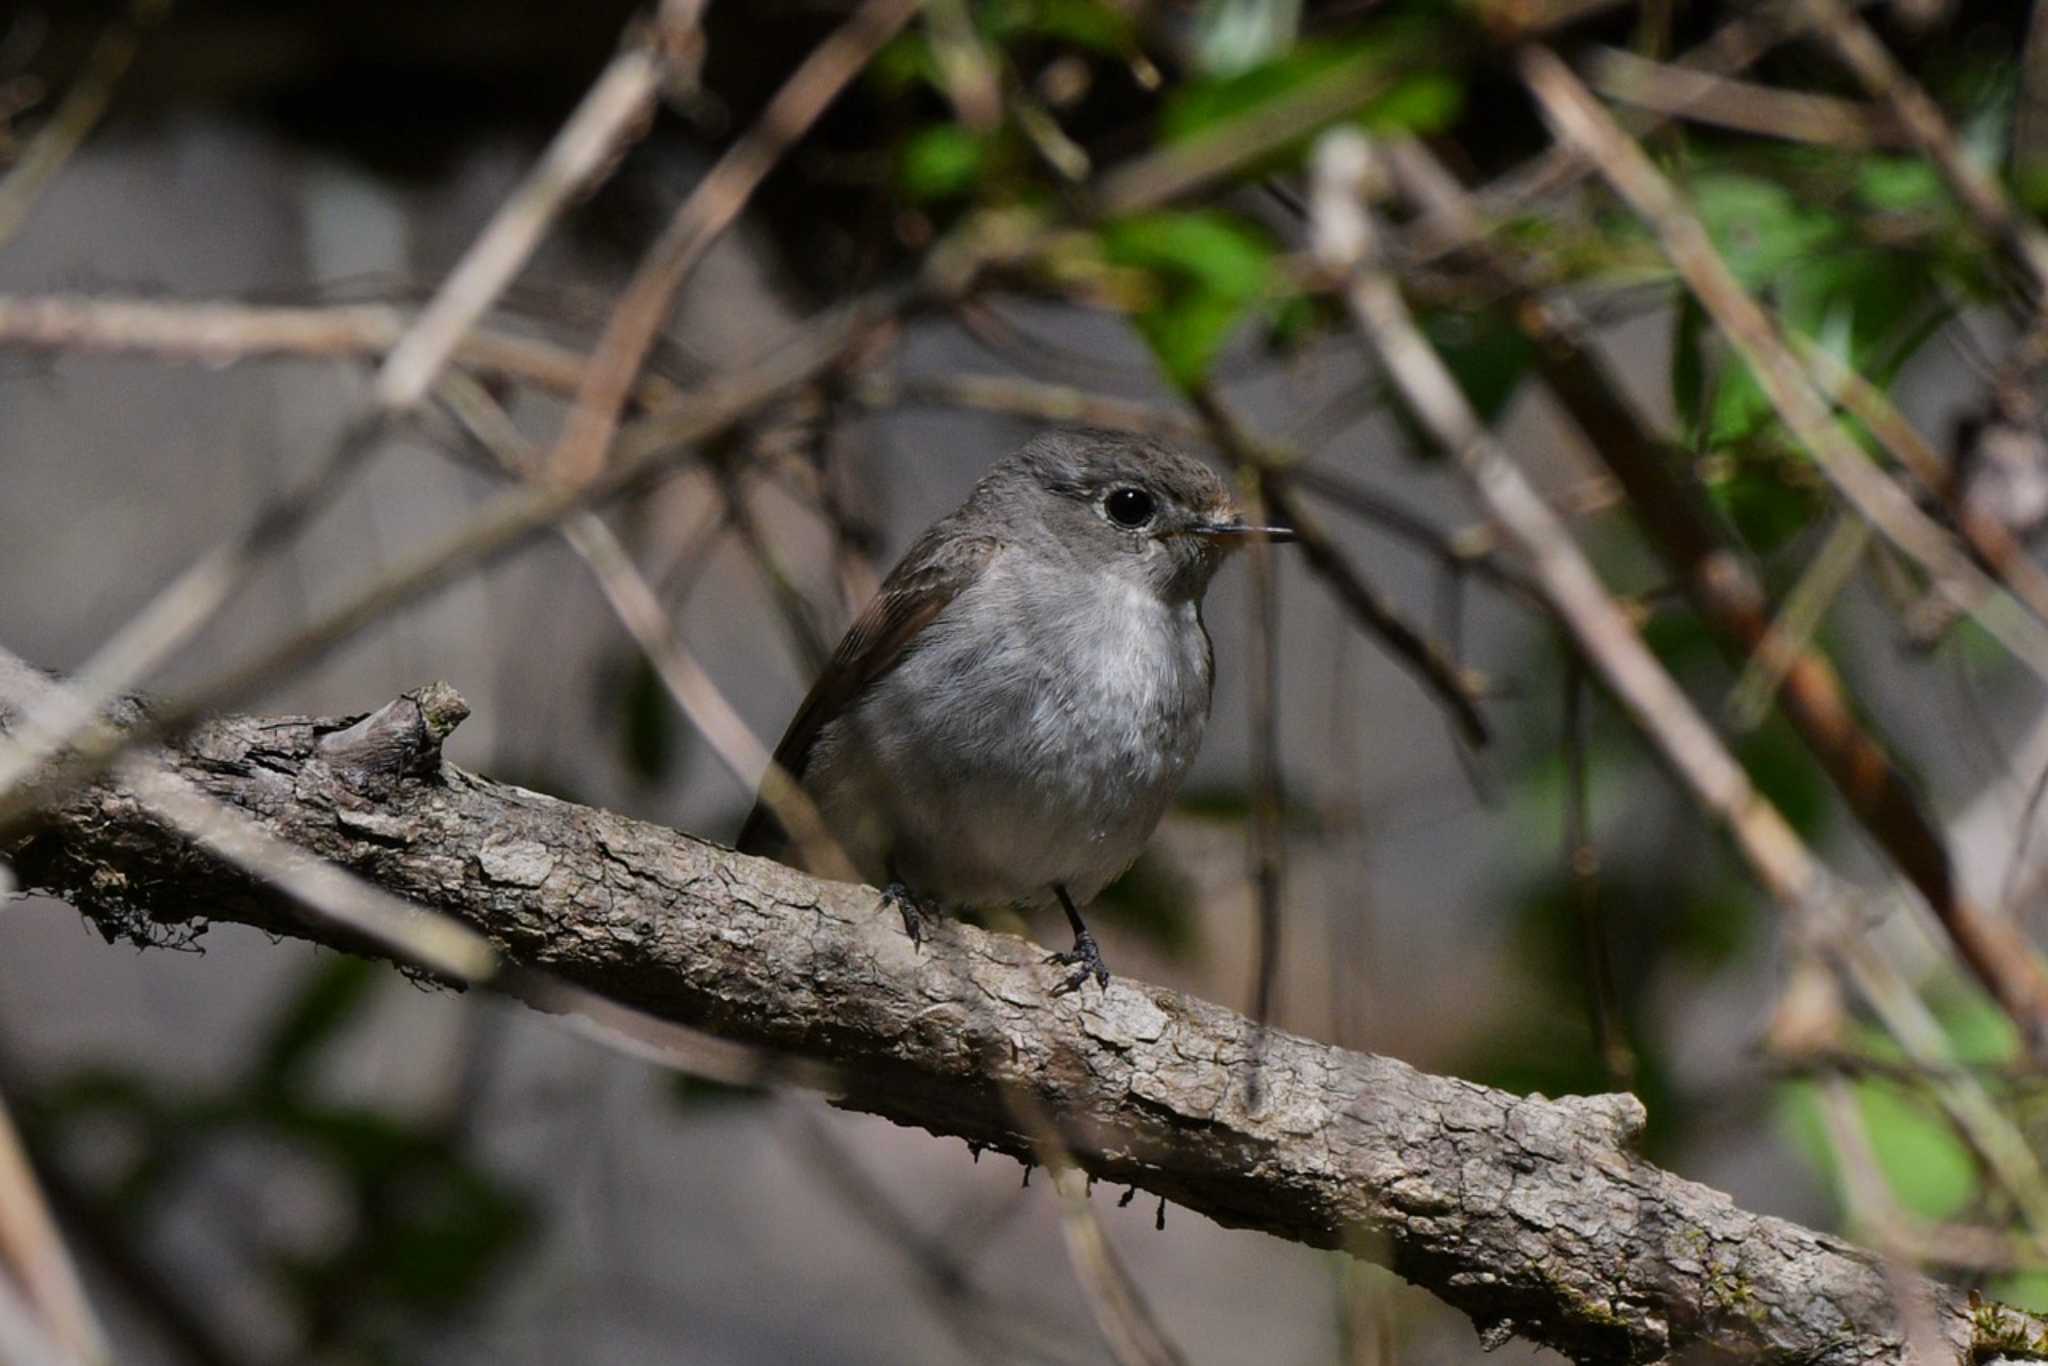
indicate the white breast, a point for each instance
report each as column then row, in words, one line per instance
column 1035, row 736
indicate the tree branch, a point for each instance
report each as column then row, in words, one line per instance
column 1534, row 1216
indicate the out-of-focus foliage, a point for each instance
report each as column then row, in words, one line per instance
column 413, row 1229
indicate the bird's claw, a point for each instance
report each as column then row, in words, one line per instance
column 1086, row 960
column 912, row 907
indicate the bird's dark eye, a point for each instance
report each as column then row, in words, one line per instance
column 1129, row 507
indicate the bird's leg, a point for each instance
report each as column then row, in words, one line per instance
column 1086, row 958
column 912, row 907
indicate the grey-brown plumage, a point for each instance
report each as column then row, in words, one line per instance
column 1010, row 717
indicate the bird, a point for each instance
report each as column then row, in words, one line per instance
column 1010, row 717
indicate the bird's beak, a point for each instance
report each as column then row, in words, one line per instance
column 1239, row 531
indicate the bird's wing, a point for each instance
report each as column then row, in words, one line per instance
column 928, row 578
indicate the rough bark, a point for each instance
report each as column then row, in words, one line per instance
column 1535, row 1217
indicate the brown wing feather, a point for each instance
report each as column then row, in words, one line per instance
column 916, row 591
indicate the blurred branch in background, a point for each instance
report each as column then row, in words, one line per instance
column 44, row 1317
column 2005, row 962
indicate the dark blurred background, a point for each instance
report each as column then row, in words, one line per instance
column 264, row 1152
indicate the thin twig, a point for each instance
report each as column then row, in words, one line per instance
column 1128, row 1324
column 701, row 700
column 1874, row 1213
column 1582, row 869
column 1424, row 658
column 985, row 1329
column 24, row 1340
column 1731, row 48
column 1994, row 543
column 1765, row 674
column 1877, row 791
column 211, row 332
column 1177, row 168
column 32, row 1255
column 813, row 644
column 703, row 218
column 587, row 146
column 499, row 527
column 1920, row 118
column 1576, row 117
column 639, row 610
column 1678, row 91
column 579, row 153
column 79, row 113
column 1268, row 846
column 1346, row 245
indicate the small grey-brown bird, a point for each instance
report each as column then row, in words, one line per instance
column 1008, row 720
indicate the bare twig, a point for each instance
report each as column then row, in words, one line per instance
column 703, row 218
column 580, row 152
column 586, row 147
column 1874, row 1212
column 1679, row 91
column 714, row 716
column 1345, row 243
column 1921, row 120
column 639, row 610
column 1731, row 48
column 1877, row 791
column 1424, row 658
column 966, row 69
column 33, row 1259
column 1576, row 117
column 813, row 642
column 216, row 333
column 502, row 525
column 1790, row 636
column 79, row 113
column 1176, row 169
column 1268, row 845
column 24, row 1340
column 1775, row 852
column 1582, row 872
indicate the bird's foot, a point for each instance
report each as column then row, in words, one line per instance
column 913, row 908
column 1086, row 960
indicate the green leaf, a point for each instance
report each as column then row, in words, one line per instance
column 1391, row 75
column 1486, row 355
column 1929, row 1170
column 1760, row 226
column 1784, row 771
column 2024, row 1289
column 1153, row 900
column 326, row 1003
column 691, row 1093
column 1981, row 1033
column 649, row 739
column 940, row 162
column 1767, row 510
column 1900, row 185
column 1689, row 365
column 1426, row 102
column 904, row 62
column 1209, row 270
column 1090, row 24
